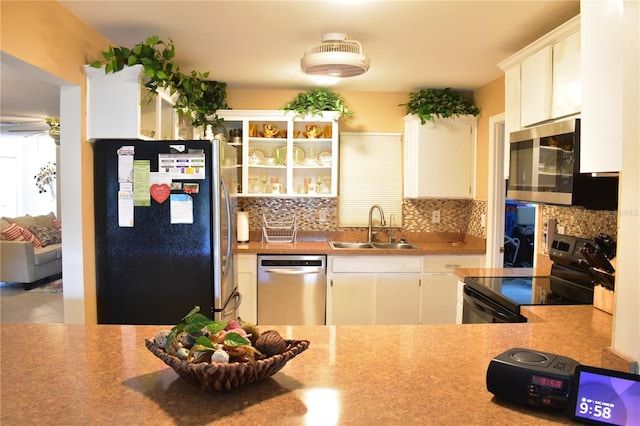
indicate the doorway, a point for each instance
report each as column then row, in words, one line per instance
column 70, row 176
column 519, row 234
column 511, row 225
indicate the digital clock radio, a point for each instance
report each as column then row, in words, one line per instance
column 529, row 377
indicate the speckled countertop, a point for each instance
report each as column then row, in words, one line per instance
column 350, row 375
column 318, row 243
column 501, row 272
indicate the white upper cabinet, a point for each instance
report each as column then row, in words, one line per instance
column 543, row 80
column 602, row 28
column 439, row 157
column 566, row 79
column 119, row 106
column 536, row 87
column 511, row 104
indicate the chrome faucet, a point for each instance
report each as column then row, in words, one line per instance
column 382, row 222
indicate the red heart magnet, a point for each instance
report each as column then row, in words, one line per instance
column 160, row 192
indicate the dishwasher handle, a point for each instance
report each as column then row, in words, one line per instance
column 293, row 271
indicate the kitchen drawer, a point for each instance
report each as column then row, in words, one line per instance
column 449, row 263
column 375, row 264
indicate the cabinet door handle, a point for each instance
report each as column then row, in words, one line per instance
column 451, row 266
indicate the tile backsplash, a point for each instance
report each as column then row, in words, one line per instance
column 583, row 223
column 455, row 215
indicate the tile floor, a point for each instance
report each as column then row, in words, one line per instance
column 18, row 305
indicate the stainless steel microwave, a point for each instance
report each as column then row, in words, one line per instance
column 544, row 167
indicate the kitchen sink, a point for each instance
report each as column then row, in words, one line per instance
column 349, row 245
column 395, row 246
column 370, row 246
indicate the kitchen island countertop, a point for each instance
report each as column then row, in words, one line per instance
column 353, row 375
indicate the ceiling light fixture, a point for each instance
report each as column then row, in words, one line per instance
column 335, row 56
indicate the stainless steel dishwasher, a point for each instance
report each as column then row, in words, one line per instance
column 292, row 289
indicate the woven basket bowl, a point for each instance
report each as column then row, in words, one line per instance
column 221, row 377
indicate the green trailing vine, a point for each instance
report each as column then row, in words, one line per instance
column 429, row 104
column 315, row 101
column 197, row 97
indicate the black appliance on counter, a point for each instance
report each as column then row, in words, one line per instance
column 531, row 377
column 544, row 167
column 498, row 299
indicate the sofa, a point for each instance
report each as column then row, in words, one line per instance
column 30, row 249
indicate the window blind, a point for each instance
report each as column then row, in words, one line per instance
column 370, row 173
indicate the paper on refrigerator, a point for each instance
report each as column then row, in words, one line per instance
column 125, row 186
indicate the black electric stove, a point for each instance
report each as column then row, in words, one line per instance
column 513, row 292
column 498, row 299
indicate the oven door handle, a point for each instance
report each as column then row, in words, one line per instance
column 485, row 305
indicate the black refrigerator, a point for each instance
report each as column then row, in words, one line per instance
column 164, row 229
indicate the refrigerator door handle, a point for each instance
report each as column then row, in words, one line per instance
column 227, row 202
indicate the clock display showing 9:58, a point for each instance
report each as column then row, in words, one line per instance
column 608, row 400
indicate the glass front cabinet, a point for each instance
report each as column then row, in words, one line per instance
column 283, row 154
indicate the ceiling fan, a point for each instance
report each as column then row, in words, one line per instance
column 52, row 123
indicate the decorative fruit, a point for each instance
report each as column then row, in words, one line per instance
column 271, row 343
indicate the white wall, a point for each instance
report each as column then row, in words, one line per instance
column 25, row 156
column 626, row 338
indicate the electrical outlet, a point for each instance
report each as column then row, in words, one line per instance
column 483, row 220
column 322, row 215
column 435, row 216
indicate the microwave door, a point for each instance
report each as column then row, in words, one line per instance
column 521, row 166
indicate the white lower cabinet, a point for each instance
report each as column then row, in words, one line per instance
column 248, row 286
column 353, row 299
column 439, row 297
column 373, row 290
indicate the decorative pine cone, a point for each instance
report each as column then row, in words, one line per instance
column 271, row 343
column 185, row 340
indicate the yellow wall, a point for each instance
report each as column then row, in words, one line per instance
column 490, row 99
column 47, row 36
column 373, row 111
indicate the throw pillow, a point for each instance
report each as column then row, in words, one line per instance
column 23, row 221
column 13, row 233
column 57, row 223
column 3, row 225
column 45, row 234
column 45, row 219
column 28, row 236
